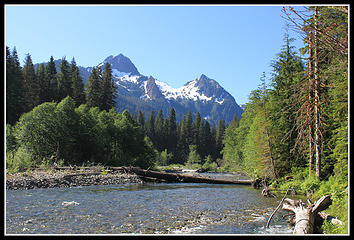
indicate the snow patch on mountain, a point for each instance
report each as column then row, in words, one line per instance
column 188, row 91
column 219, row 101
column 145, row 91
column 119, row 74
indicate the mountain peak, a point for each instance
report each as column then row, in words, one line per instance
column 122, row 64
column 203, row 77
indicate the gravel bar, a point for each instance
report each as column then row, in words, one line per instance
column 53, row 179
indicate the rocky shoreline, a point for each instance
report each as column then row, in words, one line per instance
column 65, row 179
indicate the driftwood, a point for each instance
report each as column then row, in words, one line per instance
column 306, row 216
column 175, row 177
column 271, row 216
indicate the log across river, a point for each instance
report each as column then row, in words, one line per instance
column 162, row 176
column 175, row 177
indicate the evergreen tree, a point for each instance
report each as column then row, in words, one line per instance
column 182, row 148
column 207, row 141
column 93, row 89
column 64, row 80
column 281, row 107
column 219, row 138
column 172, row 132
column 44, row 85
column 159, row 131
column 53, row 81
column 141, row 121
column 31, row 85
column 212, row 150
column 165, row 134
column 78, row 94
column 14, row 87
column 196, row 124
column 108, row 89
column 150, row 127
column 234, row 123
column 188, row 129
column 201, row 146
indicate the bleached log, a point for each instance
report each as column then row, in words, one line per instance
column 305, row 216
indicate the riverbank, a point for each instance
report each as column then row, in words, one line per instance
column 68, row 178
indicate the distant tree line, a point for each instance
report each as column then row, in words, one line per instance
column 177, row 138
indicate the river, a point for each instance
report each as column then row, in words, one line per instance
column 149, row 208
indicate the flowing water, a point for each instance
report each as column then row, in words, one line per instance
column 149, row 208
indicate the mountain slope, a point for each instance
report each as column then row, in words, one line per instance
column 137, row 92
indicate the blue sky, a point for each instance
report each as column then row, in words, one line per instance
column 232, row 44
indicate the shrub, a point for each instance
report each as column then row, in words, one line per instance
column 18, row 161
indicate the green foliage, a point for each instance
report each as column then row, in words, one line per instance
column 164, row 158
column 36, row 131
column 19, row 160
column 10, row 138
column 64, row 80
column 193, row 157
column 60, row 132
column 14, row 87
column 209, row 165
column 330, row 228
column 93, row 89
column 31, row 85
column 77, row 84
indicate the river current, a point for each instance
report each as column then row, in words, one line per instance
column 149, row 208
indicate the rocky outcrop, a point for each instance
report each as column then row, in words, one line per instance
column 151, row 89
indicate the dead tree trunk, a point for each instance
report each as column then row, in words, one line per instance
column 305, row 216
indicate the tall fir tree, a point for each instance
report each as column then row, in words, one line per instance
column 108, row 89
column 31, row 85
column 93, row 89
column 207, row 141
column 44, row 84
column 14, row 87
column 188, row 129
column 64, row 80
column 141, row 121
column 219, row 138
column 196, row 133
column 150, row 127
column 77, row 84
column 159, row 131
column 53, row 81
column 172, row 132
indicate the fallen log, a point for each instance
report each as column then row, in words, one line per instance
column 305, row 216
column 175, row 177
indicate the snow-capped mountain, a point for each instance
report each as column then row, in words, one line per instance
column 138, row 92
